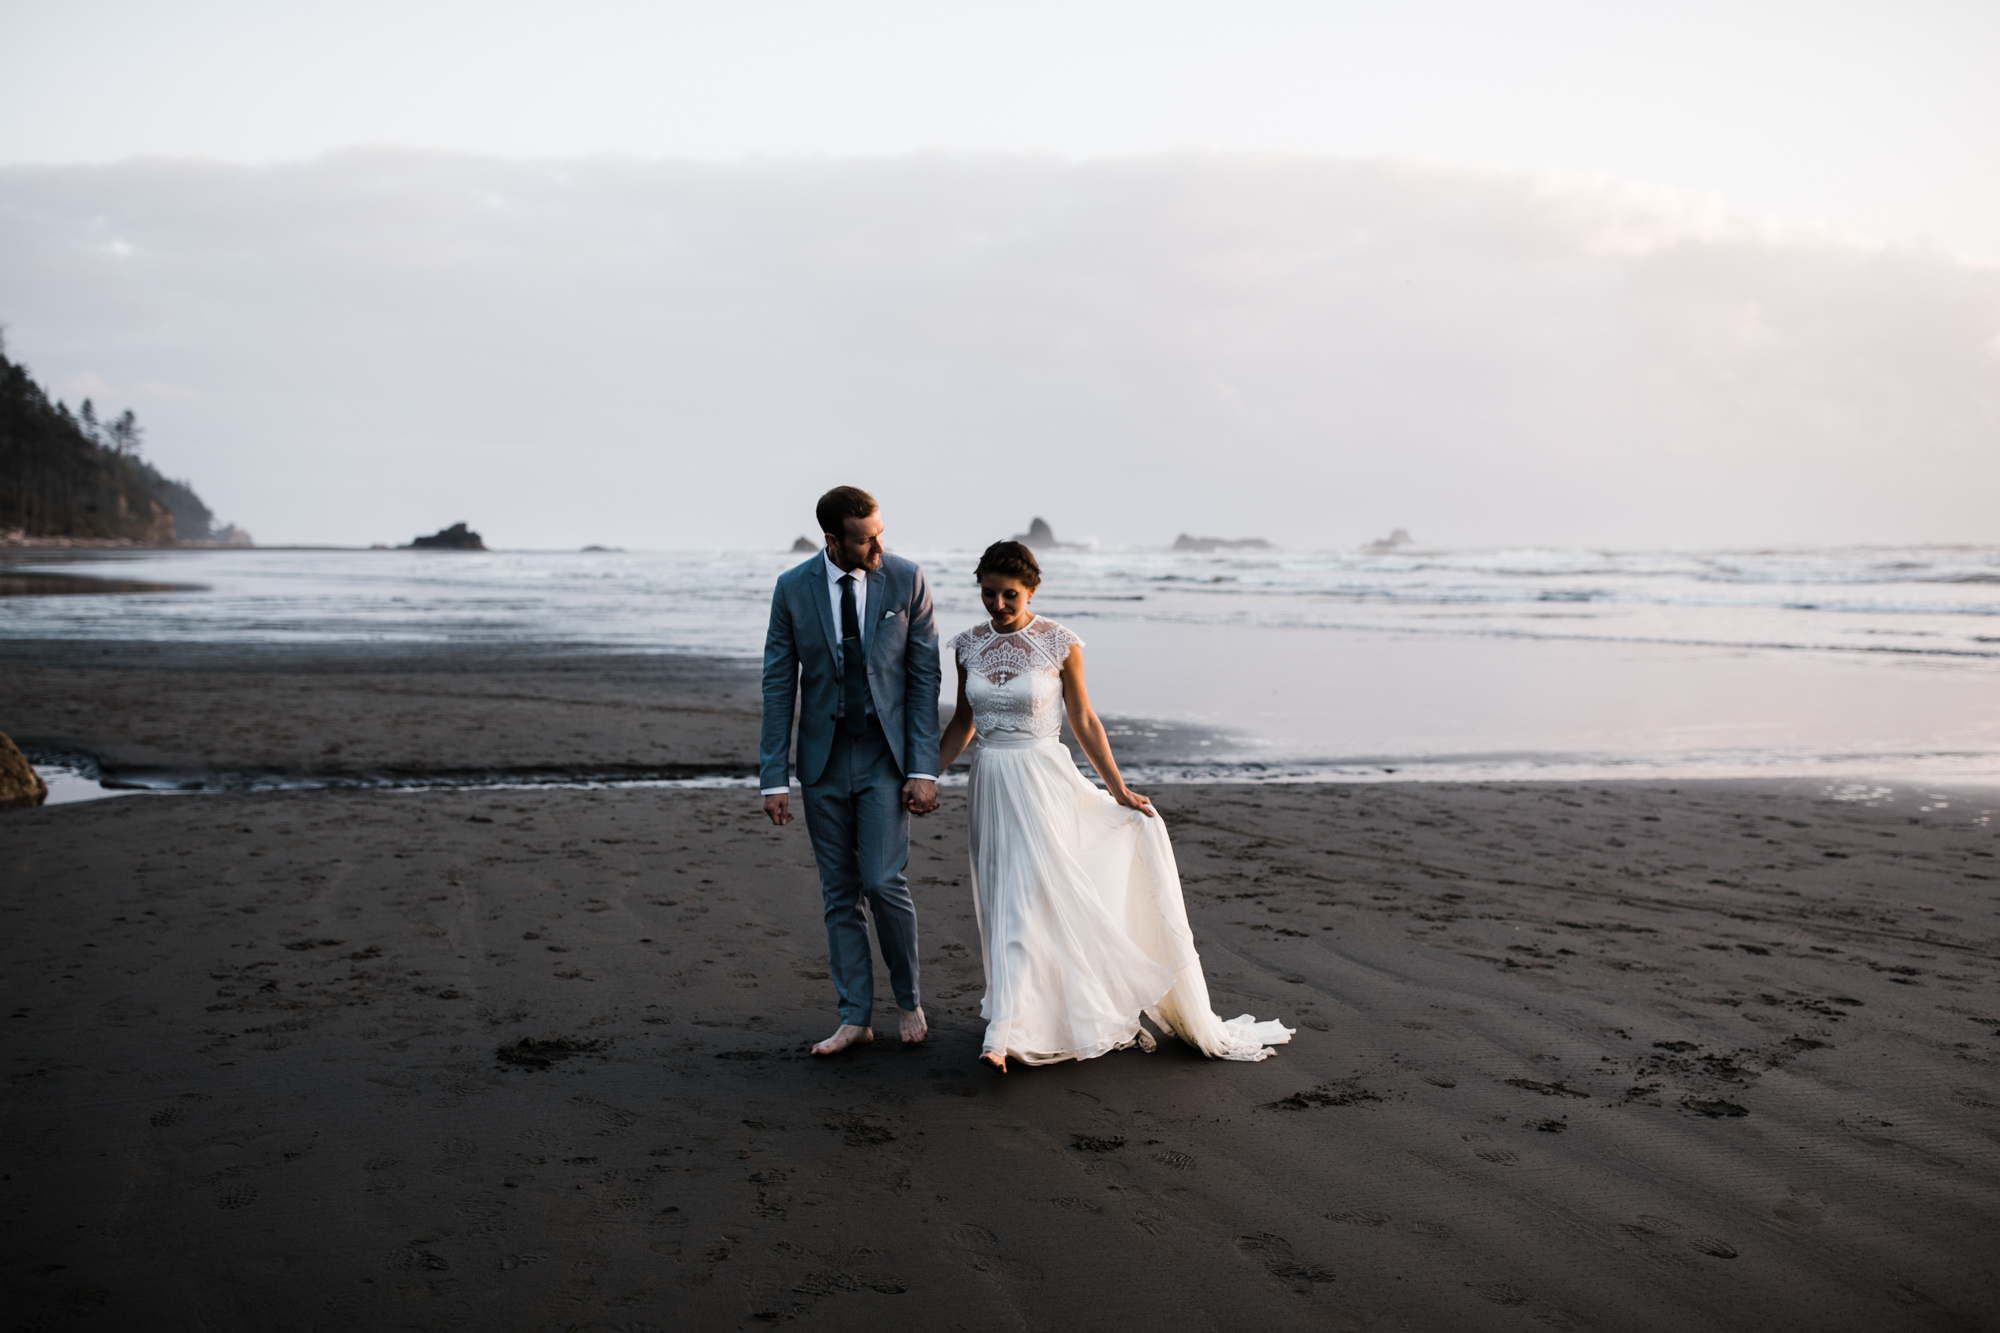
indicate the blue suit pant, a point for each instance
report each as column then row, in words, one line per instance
column 861, row 842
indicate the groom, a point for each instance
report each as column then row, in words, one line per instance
column 852, row 643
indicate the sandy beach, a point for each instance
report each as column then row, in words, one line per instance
column 1587, row 1056
column 239, row 713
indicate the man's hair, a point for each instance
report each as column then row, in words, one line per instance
column 840, row 504
column 1012, row 559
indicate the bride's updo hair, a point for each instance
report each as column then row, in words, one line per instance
column 1012, row 559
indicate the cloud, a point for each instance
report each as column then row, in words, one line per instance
column 669, row 353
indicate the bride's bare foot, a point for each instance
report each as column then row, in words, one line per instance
column 998, row 1059
column 915, row 1029
column 844, row 1036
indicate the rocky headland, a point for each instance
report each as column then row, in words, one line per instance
column 70, row 478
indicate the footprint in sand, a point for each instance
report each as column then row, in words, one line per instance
column 1358, row 1217
column 1802, row 1208
column 1652, row 1229
column 1715, row 1108
column 1976, row 1099
column 859, row 1131
column 1556, row 1089
column 1500, row 1293
column 826, row 1282
column 1345, row 1092
column 1435, row 1230
column 236, row 1196
column 419, row 1261
column 982, row 1254
column 1279, row 1260
column 1444, row 1169
column 1076, row 1205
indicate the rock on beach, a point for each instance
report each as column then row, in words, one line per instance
column 20, row 784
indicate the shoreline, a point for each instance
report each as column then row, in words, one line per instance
column 1598, row 673
column 269, row 716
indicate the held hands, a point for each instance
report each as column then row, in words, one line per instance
column 1132, row 800
column 920, row 796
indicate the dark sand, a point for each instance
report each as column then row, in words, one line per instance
column 1613, row 1056
column 243, row 712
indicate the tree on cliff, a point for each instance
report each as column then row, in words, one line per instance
column 70, row 475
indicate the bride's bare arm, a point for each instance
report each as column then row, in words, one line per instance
column 957, row 732
column 1090, row 734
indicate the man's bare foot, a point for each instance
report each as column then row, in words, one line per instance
column 998, row 1059
column 915, row 1029
column 844, row 1036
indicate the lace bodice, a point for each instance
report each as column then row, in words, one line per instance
column 1014, row 681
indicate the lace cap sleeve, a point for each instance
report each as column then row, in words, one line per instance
column 1056, row 639
column 964, row 643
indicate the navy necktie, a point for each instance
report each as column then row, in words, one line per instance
column 853, row 669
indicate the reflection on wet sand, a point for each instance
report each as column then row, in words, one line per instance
column 16, row 580
column 38, row 583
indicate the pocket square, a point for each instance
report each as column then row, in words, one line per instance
column 888, row 615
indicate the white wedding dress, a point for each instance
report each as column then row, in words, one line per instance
column 1081, row 922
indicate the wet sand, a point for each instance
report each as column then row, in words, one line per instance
column 234, row 713
column 1610, row 1056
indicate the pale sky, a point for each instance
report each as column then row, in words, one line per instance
column 1501, row 273
column 1877, row 118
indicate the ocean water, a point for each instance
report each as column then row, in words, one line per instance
column 1856, row 663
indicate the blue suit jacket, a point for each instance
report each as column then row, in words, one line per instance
column 800, row 664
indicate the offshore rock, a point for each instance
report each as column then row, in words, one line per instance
column 1390, row 544
column 1041, row 537
column 1204, row 545
column 457, row 537
column 20, row 784
column 804, row 546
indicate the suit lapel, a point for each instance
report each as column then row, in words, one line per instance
column 823, row 606
column 878, row 607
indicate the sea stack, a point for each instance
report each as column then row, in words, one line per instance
column 804, row 546
column 1041, row 537
column 457, row 537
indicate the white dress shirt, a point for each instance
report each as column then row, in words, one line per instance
column 834, row 574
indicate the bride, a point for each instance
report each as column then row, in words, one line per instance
column 1081, row 922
